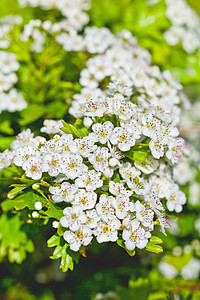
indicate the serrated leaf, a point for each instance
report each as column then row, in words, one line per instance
column 66, row 260
column 153, row 248
column 57, row 253
column 53, row 241
column 20, row 202
column 68, row 128
column 60, row 230
column 53, row 211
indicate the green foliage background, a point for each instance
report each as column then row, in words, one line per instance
column 48, row 81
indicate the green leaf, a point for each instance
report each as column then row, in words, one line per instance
column 13, row 240
column 60, row 230
column 53, row 241
column 18, row 188
column 137, row 155
column 66, row 259
column 140, row 155
column 153, row 248
column 68, row 128
column 155, row 240
column 54, row 211
column 20, row 202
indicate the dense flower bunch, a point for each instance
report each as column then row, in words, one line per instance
column 107, row 195
column 10, row 99
column 185, row 25
column 6, row 25
column 73, row 11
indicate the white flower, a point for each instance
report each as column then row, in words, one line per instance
column 137, row 185
column 92, row 218
column 128, row 171
column 7, row 81
column 175, row 199
column 100, row 67
column 150, row 125
column 157, row 147
column 52, row 126
column 102, row 132
column 107, row 232
column 5, row 159
column 86, row 200
column 65, row 192
column 152, row 198
column 72, row 165
column 123, row 137
column 99, row 159
column 94, row 108
column 122, row 206
column 23, row 153
column 73, row 217
column 167, row 270
column 144, row 215
column 191, row 270
column 85, row 146
column 52, row 164
column 182, row 173
column 87, row 79
column 90, row 180
column 122, row 108
column 175, row 149
column 67, row 143
column 33, row 167
column 22, row 138
column 15, row 101
column 135, row 236
column 82, row 236
column 117, row 189
column 104, row 207
column 8, row 62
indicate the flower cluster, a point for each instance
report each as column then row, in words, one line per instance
column 73, row 11
column 6, row 25
column 10, row 99
column 185, row 25
column 108, row 193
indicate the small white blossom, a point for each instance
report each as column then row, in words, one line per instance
column 82, row 236
column 33, row 167
column 135, row 236
column 73, row 217
column 107, row 232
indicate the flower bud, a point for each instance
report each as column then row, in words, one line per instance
column 35, row 215
column 38, row 205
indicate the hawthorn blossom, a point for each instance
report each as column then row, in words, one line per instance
column 65, row 192
column 86, row 200
column 73, row 217
column 123, row 138
column 135, row 236
column 33, row 167
column 82, row 236
column 107, row 232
